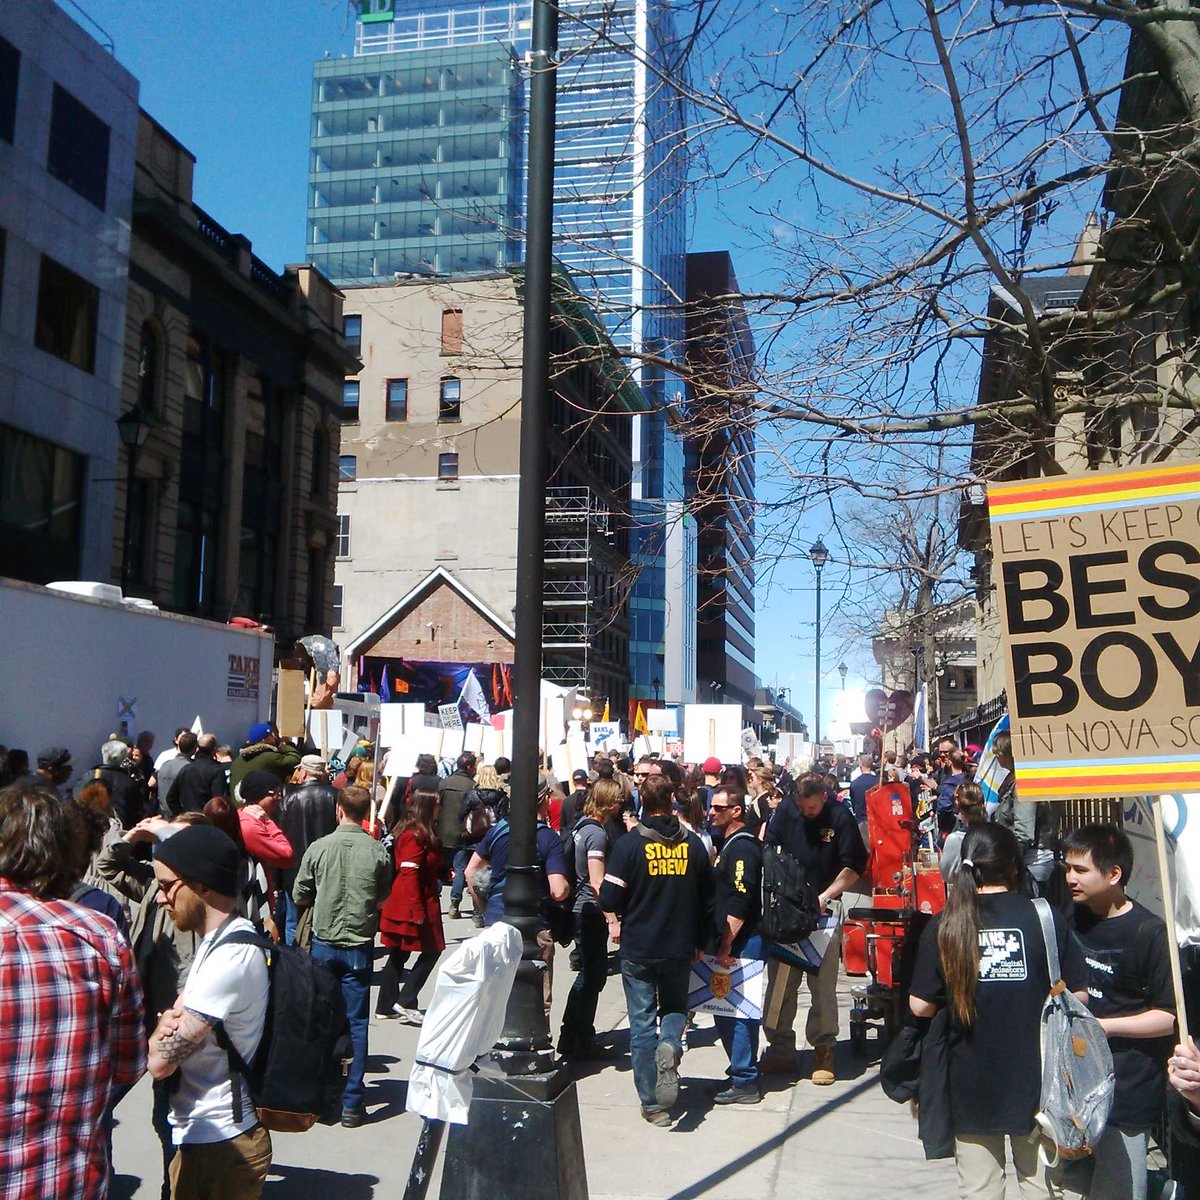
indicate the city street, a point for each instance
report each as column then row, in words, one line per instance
column 821, row 1143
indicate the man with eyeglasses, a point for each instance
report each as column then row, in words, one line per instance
column 737, row 905
column 222, row 1149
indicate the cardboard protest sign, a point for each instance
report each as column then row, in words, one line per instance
column 712, row 729
column 739, row 992
column 1098, row 580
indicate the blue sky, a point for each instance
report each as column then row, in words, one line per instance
column 232, row 81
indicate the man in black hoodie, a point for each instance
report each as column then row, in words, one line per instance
column 657, row 898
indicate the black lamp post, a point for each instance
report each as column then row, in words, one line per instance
column 133, row 429
column 523, row 1138
column 656, row 684
column 820, row 556
column 843, row 671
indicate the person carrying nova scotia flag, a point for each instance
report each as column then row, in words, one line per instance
column 737, row 909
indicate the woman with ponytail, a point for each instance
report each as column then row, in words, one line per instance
column 984, row 958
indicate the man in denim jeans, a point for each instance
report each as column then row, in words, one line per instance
column 345, row 877
column 657, row 899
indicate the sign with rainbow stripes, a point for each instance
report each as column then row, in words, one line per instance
column 1098, row 586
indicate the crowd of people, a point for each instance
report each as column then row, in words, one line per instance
column 120, row 899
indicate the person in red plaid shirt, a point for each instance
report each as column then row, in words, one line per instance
column 70, row 1008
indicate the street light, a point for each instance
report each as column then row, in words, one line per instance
column 133, row 427
column 843, row 671
column 819, row 556
column 656, row 684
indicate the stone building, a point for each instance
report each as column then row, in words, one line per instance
column 232, row 382
column 429, row 469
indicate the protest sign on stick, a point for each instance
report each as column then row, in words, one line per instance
column 1098, row 580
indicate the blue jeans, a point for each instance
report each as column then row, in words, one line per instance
column 656, row 1001
column 353, row 966
column 740, row 1038
column 291, row 918
column 462, row 856
column 579, row 1019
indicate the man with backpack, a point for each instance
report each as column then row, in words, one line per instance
column 587, row 848
column 1129, row 990
column 222, row 1148
column 492, row 852
column 738, row 907
column 455, row 846
column 345, row 877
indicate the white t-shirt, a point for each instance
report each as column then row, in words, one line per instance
column 229, row 984
column 166, row 756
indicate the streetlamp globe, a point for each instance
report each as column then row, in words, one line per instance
column 818, row 554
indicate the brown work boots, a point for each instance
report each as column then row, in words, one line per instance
column 822, row 1072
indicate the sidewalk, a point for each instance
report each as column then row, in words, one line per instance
column 843, row 1141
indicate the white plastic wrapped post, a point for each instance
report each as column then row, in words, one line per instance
column 463, row 1021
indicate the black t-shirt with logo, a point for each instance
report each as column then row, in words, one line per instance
column 737, row 877
column 824, row 846
column 1128, row 972
column 996, row 1063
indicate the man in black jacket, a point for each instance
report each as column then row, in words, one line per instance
column 657, row 898
column 738, row 908
column 823, row 836
column 200, row 780
column 309, row 813
column 455, row 847
column 128, row 794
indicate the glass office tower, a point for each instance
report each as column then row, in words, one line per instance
column 417, row 168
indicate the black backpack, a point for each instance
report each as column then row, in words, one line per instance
column 789, row 907
column 561, row 913
column 299, row 1070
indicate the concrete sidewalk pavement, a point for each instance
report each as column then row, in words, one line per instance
column 843, row 1141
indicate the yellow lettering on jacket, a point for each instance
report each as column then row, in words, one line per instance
column 666, row 860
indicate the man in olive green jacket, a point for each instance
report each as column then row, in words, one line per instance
column 345, row 877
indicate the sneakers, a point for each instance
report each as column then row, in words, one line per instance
column 410, row 1016
column 666, row 1086
column 772, row 1063
column 822, row 1073
column 747, row 1093
column 455, row 912
column 352, row 1118
column 656, row 1116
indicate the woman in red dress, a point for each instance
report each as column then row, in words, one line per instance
column 411, row 919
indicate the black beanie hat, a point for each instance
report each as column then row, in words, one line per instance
column 202, row 854
column 256, row 784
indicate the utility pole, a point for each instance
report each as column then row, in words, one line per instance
column 523, row 1140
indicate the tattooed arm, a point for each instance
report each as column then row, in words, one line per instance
column 180, row 1033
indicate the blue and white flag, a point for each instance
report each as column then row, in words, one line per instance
column 990, row 775
column 739, row 992
column 808, row 953
column 920, row 718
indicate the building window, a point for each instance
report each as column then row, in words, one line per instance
column 347, row 468
column 148, row 369
column 448, row 466
column 41, row 492
column 78, row 147
column 397, row 399
column 350, row 392
column 452, row 331
column 450, row 400
column 352, row 330
column 66, row 315
column 343, row 536
column 337, row 606
column 10, row 74
column 201, row 478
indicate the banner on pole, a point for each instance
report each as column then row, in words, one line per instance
column 1098, row 584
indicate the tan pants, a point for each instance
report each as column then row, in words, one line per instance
column 232, row 1170
column 546, row 946
column 979, row 1158
column 783, row 986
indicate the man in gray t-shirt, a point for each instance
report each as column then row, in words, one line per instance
column 587, row 848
